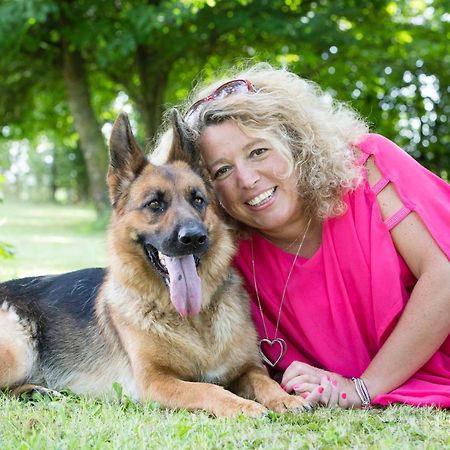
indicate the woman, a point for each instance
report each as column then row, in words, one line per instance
column 344, row 241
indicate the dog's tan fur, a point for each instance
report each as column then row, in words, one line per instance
column 138, row 338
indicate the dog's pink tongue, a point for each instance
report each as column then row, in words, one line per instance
column 185, row 285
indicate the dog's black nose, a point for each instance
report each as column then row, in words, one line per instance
column 192, row 235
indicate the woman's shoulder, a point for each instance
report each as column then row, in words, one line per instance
column 412, row 187
column 380, row 146
column 394, row 163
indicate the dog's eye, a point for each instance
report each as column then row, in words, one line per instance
column 199, row 201
column 155, row 205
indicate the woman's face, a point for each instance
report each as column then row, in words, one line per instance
column 249, row 178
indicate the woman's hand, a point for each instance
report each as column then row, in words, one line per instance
column 320, row 386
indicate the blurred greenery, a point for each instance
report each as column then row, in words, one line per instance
column 6, row 250
column 69, row 66
column 47, row 238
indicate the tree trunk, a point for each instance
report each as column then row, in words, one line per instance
column 91, row 138
column 153, row 81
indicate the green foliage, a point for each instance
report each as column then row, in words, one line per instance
column 387, row 59
column 6, row 250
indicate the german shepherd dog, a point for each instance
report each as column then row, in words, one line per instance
column 168, row 319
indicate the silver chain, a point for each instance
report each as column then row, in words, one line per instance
column 285, row 286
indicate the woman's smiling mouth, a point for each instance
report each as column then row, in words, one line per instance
column 261, row 199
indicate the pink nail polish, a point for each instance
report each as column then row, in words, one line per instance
column 295, row 387
column 320, row 390
column 344, row 395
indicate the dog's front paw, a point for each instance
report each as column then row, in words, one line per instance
column 285, row 403
column 235, row 408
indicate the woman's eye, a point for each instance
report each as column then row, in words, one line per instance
column 221, row 172
column 258, row 152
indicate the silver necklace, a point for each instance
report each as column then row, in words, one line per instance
column 280, row 342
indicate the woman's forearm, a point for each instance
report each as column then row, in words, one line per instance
column 421, row 330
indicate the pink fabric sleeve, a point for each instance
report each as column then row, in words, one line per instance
column 418, row 188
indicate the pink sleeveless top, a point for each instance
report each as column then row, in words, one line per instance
column 343, row 302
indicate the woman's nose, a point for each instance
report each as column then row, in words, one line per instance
column 247, row 177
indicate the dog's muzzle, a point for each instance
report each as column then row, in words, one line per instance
column 176, row 259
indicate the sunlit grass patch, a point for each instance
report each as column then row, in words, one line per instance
column 50, row 238
column 80, row 423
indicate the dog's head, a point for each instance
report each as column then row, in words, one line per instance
column 163, row 223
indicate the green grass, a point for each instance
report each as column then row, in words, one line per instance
column 80, row 423
column 52, row 239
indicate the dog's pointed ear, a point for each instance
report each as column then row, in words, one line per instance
column 182, row 148
column 126, row 159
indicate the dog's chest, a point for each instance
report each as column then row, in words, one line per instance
column 218, row 375
column 210, row 353
column 211, row 362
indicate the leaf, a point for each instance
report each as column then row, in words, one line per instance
column 118, row 390
column 7, row 251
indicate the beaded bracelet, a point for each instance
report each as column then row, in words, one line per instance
column 363, row 393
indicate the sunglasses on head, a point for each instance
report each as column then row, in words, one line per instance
column 230, row 87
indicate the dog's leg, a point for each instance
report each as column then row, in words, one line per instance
column 160, row 384
column 256, row 384
column 172, row 392
column 16, row 351
column 29, row 389
column 8, row 367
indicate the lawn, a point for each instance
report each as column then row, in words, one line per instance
column 52, row 239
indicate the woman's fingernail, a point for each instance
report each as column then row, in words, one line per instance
column 296, row 387
column 343, row 395
column 320, row 390
column 334, row 383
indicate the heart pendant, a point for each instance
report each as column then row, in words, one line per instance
column 271, row 342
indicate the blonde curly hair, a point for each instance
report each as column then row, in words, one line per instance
column 314, row 134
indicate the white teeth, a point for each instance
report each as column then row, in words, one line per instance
column 162, row 259
column 261, row 198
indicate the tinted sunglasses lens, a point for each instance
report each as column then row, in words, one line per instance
column 193, row 108
column 220, row 93
column 231, row 88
